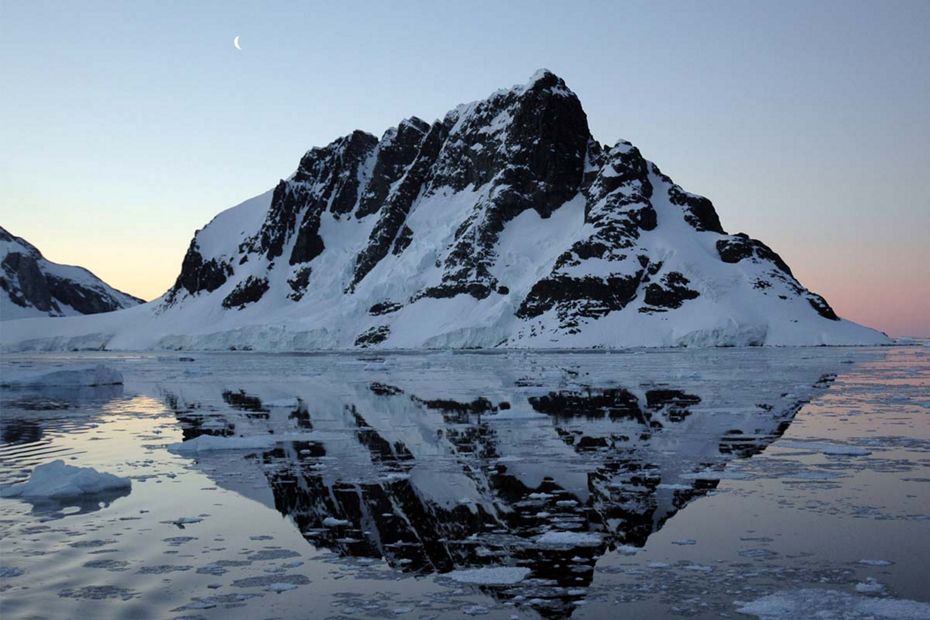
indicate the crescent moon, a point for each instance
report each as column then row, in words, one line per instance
column 236, row 43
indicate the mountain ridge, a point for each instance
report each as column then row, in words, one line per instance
column 503, row 224
column 33, row 286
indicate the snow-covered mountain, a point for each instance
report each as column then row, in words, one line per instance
column 504, row 224
column 31, row 286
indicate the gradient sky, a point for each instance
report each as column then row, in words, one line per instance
column 124, row 127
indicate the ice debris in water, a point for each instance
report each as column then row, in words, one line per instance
column 825, row 447
column 209, row 443
column 57, row 480
column 870, row 586
column 820, row 603
column 569, row 539
column 83, row 376
column 491, row 575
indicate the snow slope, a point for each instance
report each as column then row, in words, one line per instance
column 504, row 224
column 32, row 286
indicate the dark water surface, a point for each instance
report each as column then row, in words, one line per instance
column 698, row 483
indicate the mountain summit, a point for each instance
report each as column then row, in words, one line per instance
column 504, row 224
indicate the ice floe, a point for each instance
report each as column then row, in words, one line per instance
column 490, row 575
column 82, row 376
column 57, row 480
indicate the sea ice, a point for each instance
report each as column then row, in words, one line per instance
column 825, row 447
column 490, row 575
column 209, row 443
column 83, row 376
column 822, row 603
column 56, row 480
column 569, row 539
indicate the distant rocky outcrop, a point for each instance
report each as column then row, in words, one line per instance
column 33, row 286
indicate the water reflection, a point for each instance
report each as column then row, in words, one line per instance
column 492, row 462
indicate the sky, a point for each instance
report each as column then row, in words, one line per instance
column 124, row 127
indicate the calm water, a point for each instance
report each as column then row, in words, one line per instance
column 642, row 484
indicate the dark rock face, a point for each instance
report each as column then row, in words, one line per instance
column 247, row 292
column 820, row 304
column 300, row 282
column 384, row 307
column 30, row 281
column 587, row 296
column 390, row 227
column 373, row 335
column 671, row 293
column 699, row 211
column 199, row 275
column 536, row 163
column 740, row 246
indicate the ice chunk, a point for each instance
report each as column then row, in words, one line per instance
column 814, row 603
column 333, row 522
column 870, row 586
column 83, row 376
column 56, row 480
column 490, row 575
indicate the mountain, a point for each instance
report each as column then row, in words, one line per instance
column 35, row 287
column 505, row 224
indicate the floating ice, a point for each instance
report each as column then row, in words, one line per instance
column 56, row 480
column 491, row 575
column 870, row 586
column 814, row 603
column 569, row 539
column 825, row 447
column 210, row 443
column 83, row 376
column 334, row 522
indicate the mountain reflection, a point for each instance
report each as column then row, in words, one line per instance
column 465, row 463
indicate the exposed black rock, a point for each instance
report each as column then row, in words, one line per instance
column 671, row 293
column 373, row 335
column 384, row 307
column 299, row 282
column 247, row 292
column 699, row 211
column 199, row 275
column 739, row 247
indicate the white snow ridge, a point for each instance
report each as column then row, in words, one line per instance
column 504, row 224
